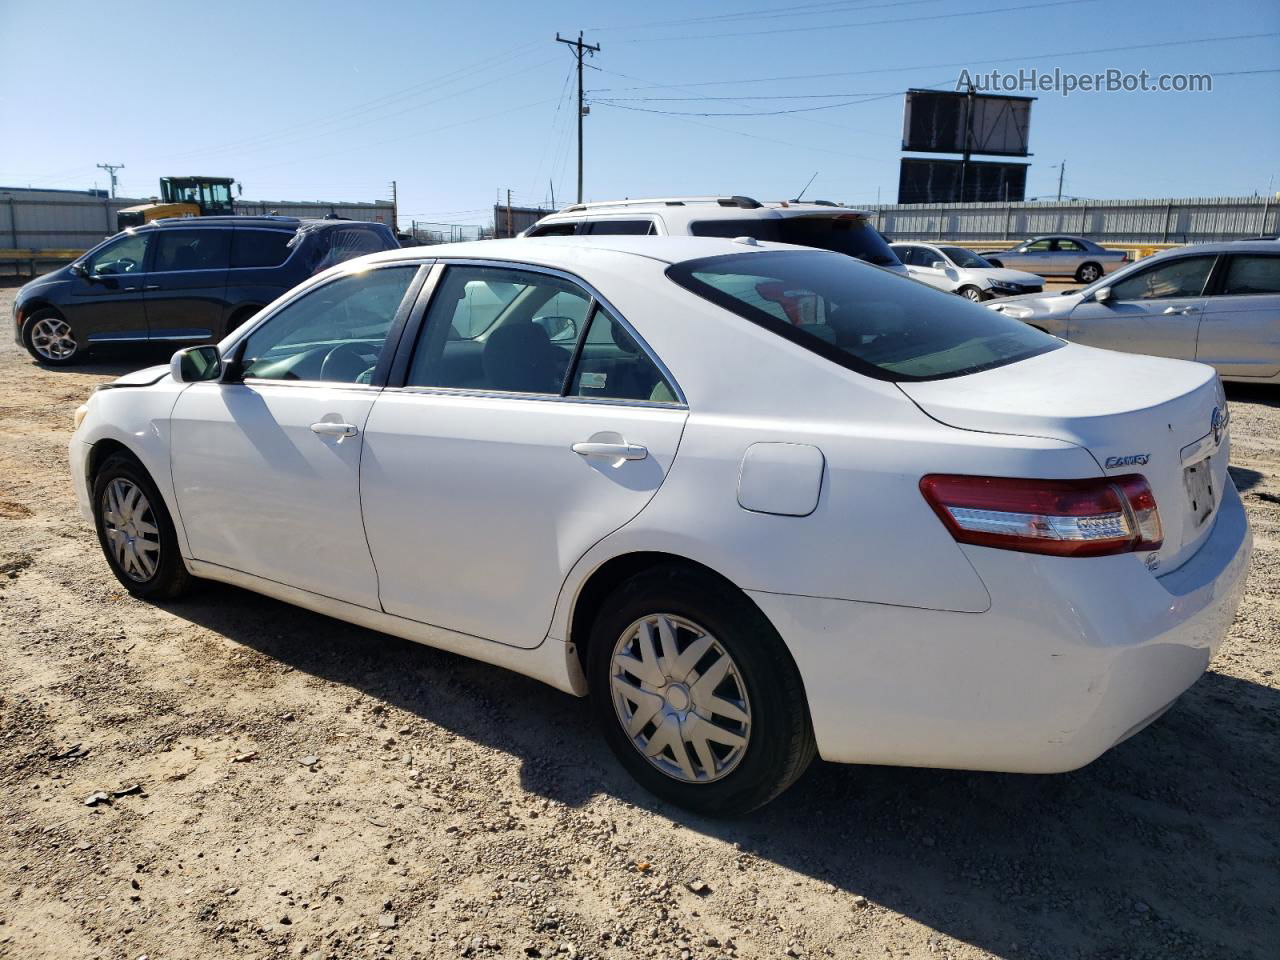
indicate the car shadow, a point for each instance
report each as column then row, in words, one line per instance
column 1266, row 394
column 1244, row 478
column 112, row 361
column 1018, row 865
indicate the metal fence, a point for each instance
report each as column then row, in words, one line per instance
column 424, row 232
column 1186, row 220
column 74, row 220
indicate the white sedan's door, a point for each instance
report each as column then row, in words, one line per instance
column 1154, row 311
column 482, row 484
column 266, row 471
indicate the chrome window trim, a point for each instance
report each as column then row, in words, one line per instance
column 595, row 294
column 480, row 394
column 328, row 384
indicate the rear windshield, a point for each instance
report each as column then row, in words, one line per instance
column 871, row 321
column 843, row 233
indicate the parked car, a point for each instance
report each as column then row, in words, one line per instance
column 1060, row 257
column 880, row 525
column 180, row 280
column 821, row 224
column 957, row 270
column 1218, row 303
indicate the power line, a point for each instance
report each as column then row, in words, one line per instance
column 954, row 63
column 750, row 113
column 768, row 13
column 864, row 23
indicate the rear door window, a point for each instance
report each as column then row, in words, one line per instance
column 260, row 248
column 866, row 320
column 851, row 235
column 178, row 250
column 1252, row 275
column 629, row 228
column 555, row 230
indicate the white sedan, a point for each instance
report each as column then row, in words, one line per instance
column 760, row 502
column 957, row 270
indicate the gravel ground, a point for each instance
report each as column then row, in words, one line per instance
column 278, row 783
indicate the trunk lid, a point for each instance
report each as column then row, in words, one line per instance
column 1133, row 413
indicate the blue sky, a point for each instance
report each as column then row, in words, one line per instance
column 458, row 101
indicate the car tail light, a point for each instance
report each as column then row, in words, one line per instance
column 1064, row 518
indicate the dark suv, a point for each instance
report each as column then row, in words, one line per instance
column 182, row 281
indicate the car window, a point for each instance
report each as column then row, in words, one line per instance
column 841, row 233
column 906, row 255
column 966, row 259
column 260, row 248
column 634, row 228
column 326, row 245
column 1184, row 277
column 192, row 250
column 614, row 366
column 554, row 230
column 862, row 319
column 1070, row 245
column 127, row 254
column 1252, row 274
column 493, row 328
column 1040, row 246
column 334, row 333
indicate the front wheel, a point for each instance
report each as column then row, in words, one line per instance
column 49, row 338
column 696, row 693
column 1088, row 273
column 135, row 531
column 970, row 292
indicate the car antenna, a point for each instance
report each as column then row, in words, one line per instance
column 806, row 186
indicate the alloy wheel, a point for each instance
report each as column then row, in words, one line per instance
column 131, row 529
column 51, row 337
column 972, row 293
column 1088, row 274
column 680, row 698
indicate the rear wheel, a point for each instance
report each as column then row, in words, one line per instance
column 49, row 338
column 696, row 693
column 970, row 292
column 1088, row 273
column 135, row 531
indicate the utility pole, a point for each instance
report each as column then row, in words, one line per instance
column 968, row 141
column 395, row 223
column 1062, row 169
column 111, row 169
column 510, row 232
column 579, row 49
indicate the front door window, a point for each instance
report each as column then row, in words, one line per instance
column 128, row 254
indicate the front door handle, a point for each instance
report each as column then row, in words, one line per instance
column 327, row 428
column 613, row 451
column 152, row 286
column 1171, row 311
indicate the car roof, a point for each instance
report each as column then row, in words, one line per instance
column 548, row 250
column 689, row 208
column 266, row 220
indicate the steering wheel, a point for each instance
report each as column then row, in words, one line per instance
column 127, row 264
column 344, row 364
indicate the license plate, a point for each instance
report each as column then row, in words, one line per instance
column 1198, row 479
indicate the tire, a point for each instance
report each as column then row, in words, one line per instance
column 970, row 292
column 128, row 512
column 993, row 262
column 759, row 691
column 1088, row 272
column 49, row 339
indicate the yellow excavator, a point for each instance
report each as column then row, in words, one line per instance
column 182, row 197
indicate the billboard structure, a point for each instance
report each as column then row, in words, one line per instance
column 963, row 122
column 934, row 180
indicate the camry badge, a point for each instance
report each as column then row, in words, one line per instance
column 1132, row 460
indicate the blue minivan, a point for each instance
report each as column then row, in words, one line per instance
column 181, row 281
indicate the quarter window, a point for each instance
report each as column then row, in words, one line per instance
column 1184, row 277
column 128, row 254
column 260, row 248
column 1247, row 274
column 192, row 250
column 335, row 333
column 631, row 228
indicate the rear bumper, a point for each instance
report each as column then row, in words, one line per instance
column 1073, row 657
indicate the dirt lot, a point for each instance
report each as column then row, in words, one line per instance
column 304, row 787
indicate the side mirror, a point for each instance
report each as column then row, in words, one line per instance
column 79, row 270
column 559, row 328
column 1102, row 294
column 196, row 364
column 939, row 264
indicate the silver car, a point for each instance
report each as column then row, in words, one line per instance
column 1218, row 303
column 1059, row 256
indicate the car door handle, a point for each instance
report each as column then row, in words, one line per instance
column 152, row 286
column 327, row 428
column 1170, row 311
column 614, row 451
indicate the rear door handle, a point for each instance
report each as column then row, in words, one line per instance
column 327, row 428
column 614, row 451
column 1171, row 311
column 152, row 286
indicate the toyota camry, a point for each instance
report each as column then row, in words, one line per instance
column 760, row 503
